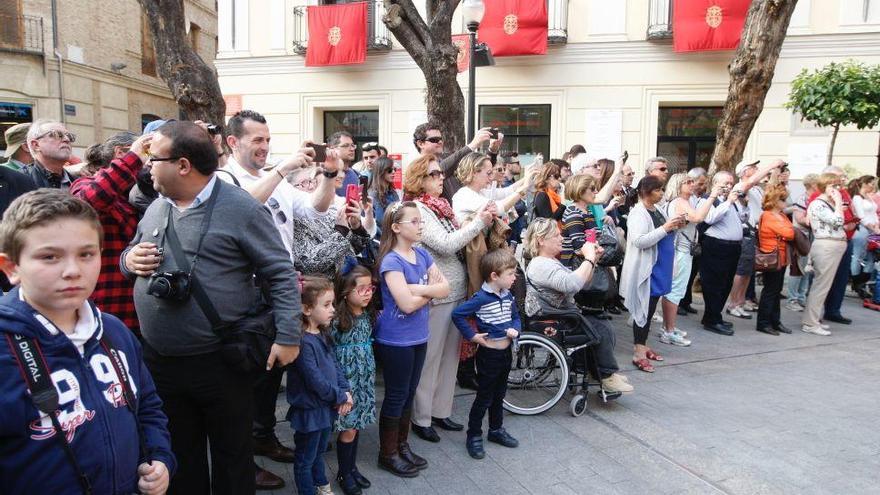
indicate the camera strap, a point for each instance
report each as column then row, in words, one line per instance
column 177, row 253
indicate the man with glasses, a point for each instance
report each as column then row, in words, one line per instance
column 205, row 399
column 658, row 167
column 50, row 143
column 343, row 143
column 428, row 140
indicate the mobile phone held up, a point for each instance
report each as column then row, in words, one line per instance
column 352, row 194
column 493, row 133
column 320, row 152
column 363, row 182
column 590, row 236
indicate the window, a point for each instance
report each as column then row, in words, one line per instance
column 363, row 125
column 194, row 33
column 660, row 20
column 11, row 114
column 146, row 118
column 686, row 136
column 148, row 52
column 11, row 28
column 526, row 128
column 232, row 25
column 859, row 12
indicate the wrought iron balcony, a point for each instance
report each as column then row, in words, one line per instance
column 557, row 22
column 21, row 33
column 378, row 38
column 660, row 20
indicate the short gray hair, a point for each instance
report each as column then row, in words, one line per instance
column 721, row 173
column 649, row 165
column 37, row 129
column 833, row 169
column 696, row 172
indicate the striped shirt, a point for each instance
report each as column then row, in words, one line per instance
column 575, row 222
column 494, row 313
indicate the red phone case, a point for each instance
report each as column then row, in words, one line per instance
column 352, row 193
column 590, row 236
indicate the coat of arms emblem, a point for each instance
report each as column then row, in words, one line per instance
column 334, row 36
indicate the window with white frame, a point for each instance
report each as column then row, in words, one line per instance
column 859, row 12
column 232, row 25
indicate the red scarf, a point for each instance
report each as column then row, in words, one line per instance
column 440, row 207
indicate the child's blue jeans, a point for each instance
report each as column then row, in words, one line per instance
column 308, row 463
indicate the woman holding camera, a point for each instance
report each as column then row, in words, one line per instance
column 775, row 230
column 647, row 267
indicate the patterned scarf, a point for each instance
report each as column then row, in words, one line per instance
column 441, row 208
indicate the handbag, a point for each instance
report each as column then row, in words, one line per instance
column 801, row 242
column 767, row 262
column 245, row 344
column 696, row 249
column 607, row 238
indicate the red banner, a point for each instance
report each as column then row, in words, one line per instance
column 463, row 43
column 515, row 27
column 337, row 34
column 699, row 25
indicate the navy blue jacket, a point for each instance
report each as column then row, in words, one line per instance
column 315, row 385
column 495, row 313
column 99, row 426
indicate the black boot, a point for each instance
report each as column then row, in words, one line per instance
column 358, row 477
column 859, row 283
column 345, row 456
column 389, row 458
column 403, row 445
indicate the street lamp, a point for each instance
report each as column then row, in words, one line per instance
column 472, row 12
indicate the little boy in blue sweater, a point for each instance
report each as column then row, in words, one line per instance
column 498, row 324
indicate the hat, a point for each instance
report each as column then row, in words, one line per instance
column 152, row 126
column 15, row 137
column 743, row 165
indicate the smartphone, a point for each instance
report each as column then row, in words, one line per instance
column 493, row 133
column 625, row 155
column 352, row 193
column 320, row 152
column 363, row 182
column 213, row 129
column 590, row 236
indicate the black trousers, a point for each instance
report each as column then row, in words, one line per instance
column 640, row 334
column 768, row 306
column 688, row 298
column 716, row 275
column 206, row 401
column 266, row 388
column 493, row 366
column 402, row 369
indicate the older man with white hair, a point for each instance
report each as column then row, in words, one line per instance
column 701, row 180
column 50, row 144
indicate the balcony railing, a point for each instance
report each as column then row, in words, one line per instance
column 21, row 33
column 378, row 39
column 660, row 21
column 557, row 22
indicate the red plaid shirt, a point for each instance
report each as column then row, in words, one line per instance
column 107, row 192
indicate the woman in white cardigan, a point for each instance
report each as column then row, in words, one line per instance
column 647, row 267
column 444, row 238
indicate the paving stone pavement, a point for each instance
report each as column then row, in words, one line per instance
column 748, row 414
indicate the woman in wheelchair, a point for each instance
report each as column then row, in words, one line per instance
column 551, row 290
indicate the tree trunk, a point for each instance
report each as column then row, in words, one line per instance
column 430, row 46
column 192, row 82
column 833, row 141
column 751, row 73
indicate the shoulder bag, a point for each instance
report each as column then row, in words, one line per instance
column 767, row 262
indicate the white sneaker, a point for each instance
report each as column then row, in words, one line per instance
column 324, row 490
column 825, row 325
column 739, row 313
column 794, row 306
column 815, row 330
column 749, row 306
column 615, row 383
column 679, row 332
column 674, row 339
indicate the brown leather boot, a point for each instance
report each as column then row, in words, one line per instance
column 389, row 458
column 403, row 445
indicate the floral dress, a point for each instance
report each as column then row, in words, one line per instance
column 354, row 352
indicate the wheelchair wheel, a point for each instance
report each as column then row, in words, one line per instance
column 578, row 405
column 538, row 377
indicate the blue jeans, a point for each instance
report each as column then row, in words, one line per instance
column 797, row 288
column 834, row 300
column 876, row 287
column 862, row 260
column 308, row 465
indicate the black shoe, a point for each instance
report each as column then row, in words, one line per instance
column 265, row 480
column 768, row 330
column 272, row 448
column 427, row 433
column 719, row 329
column 613, row 310
column 446, row 424
column 779, row 327
column 475, row 447
column 681, row 311
column 349, row 485
column 360, row 479
column 689, row 309
column 501, row 437
column 838, row 319
column 411, row 457
column 603, row 316
column 727, row 323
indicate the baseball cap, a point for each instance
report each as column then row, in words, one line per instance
column 743, row 165
column 15, row 137
column 152, row 126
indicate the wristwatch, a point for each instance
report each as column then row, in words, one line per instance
column 330, row 175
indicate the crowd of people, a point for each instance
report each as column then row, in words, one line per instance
column 157, row 295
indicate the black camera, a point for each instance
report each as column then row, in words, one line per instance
column 174, row 285
column 213, row 129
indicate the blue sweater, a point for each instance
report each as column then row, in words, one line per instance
column 101, row 430
column 315, row 385
column 495, row 313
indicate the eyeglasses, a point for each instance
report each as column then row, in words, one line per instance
column 415, row 221
column 499, row 170
column 663, row 169
column 346, row 146
column 151, row 159
column 434, row 139
column 58, row 134
column 391, row 170
column 434, row 174
column 689, row 181
column 364, row 290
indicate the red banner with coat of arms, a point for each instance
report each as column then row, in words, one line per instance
column 515, row 27
column 337, row 34
column 700, row 25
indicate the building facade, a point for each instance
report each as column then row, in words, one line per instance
column 105, row 65
column 610, row 80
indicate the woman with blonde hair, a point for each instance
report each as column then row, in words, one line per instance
column 475, row 173
column 775, row 230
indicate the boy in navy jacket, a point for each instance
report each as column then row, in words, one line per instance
column 50, row 245
column 498, row 324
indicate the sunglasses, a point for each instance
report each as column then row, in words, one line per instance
column 434, row 139
column 500, row 170
column 663, row 169
column 370, row 146
column 435, row 174
column 391, row 170
column 57, row 134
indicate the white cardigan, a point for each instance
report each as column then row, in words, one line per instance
column 641, row 255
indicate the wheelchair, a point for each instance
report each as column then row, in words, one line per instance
column 553, row 356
